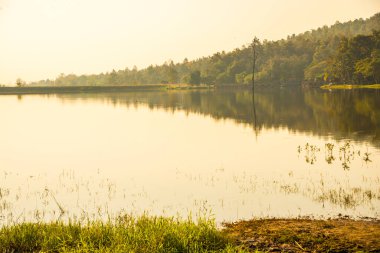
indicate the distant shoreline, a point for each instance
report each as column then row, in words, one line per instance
column 25, row 90
column 95, row 89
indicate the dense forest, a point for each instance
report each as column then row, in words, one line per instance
column 342, row 53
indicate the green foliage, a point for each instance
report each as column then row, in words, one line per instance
column 127, row 234
column 20, row 82
column 357, row 60
column 195, row 77
column 343, row 52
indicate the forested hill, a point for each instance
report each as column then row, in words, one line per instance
column 342, row 53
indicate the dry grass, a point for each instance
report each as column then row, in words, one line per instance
column 300, row 235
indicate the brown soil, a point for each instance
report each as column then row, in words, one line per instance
column 306, row 235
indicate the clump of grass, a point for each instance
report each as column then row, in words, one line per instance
column 126, row 234
column 329, row 157
column 311, row 151
column 346, row 154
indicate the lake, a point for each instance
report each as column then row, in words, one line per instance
column 290, row 152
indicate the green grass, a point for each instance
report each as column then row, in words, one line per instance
column 127, row 234
column 159, row 234
column 188, row 87
column 350, row 86
column 97, row 89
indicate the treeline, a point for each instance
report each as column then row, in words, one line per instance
column 357, row 61
column 342, row 53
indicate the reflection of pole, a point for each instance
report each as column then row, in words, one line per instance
column 254, row 113
column 254, row 43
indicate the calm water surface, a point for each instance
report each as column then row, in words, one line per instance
column 93, row 156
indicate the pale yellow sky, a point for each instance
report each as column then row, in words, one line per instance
column 41, row 38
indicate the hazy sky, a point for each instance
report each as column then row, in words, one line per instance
column 41, row 38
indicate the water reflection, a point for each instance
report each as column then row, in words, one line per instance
column 341, row 114
column 91, row 156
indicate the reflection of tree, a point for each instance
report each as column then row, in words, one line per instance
column 254, row 121
column 347, row 114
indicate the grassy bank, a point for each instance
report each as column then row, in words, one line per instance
column 96, row 89
column 158, row 234
column 76, row 89
column 188, row 87
column 127, row 234
column 350, row 86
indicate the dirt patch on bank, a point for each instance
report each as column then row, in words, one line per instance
column 305, row 235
